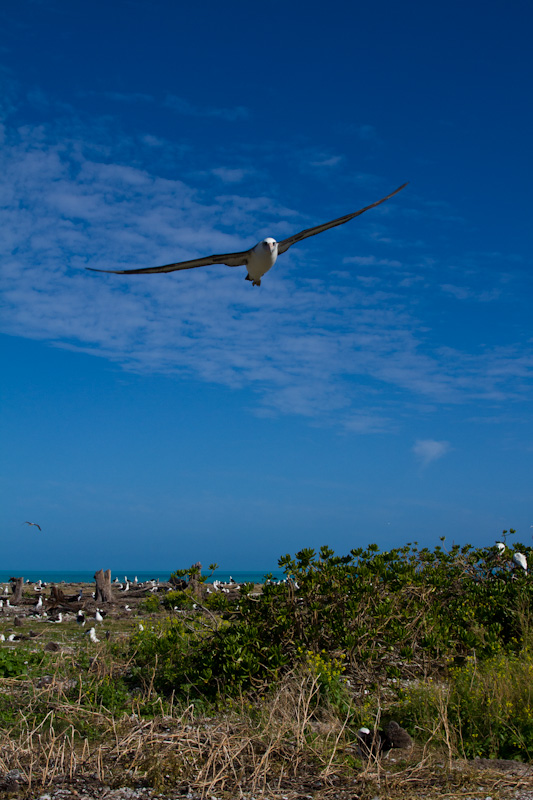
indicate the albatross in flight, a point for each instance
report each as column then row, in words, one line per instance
column 258, row 259
column 32, row 523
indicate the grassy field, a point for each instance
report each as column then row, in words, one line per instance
column 260, row 691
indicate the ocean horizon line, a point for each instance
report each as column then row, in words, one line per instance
column 87, row 576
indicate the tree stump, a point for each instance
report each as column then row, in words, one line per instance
column 57, row 594
column 196, row 588
column 17, row 585
column 104, row 592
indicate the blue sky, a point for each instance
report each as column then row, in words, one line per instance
column 375, row 388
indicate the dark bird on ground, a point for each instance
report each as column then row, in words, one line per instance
column 376, row 743
column 258, row 259
column 32, row 523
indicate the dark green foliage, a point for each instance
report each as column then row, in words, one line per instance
column 202, row 666
column 402, row 605
column 16, row 663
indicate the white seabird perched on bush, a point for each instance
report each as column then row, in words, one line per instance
column 520, row 560
column 258, row 259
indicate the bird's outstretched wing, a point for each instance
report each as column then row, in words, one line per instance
column 229, row 259
column 297, row 237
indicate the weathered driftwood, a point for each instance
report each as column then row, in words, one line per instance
column 103, row 592
column 17, row 585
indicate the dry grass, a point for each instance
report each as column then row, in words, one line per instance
column 276, row 746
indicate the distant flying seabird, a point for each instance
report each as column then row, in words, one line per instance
column 32, row 523
column 258, row 259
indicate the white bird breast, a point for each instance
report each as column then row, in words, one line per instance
column 262, row 258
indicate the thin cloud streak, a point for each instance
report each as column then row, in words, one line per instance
column 320, row 348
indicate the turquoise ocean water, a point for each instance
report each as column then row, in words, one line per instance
column 87, row 576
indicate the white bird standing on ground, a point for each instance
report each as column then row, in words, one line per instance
column 98, row 617
column 258, row 259
column 91, row 633
column 520, row 560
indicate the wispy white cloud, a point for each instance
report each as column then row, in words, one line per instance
column 371, row 261
column 320, row 347
column 368, row 422
column 228, row 175
column 465, row 293
column 429, row 450
column 327, row 161
column 180, row 105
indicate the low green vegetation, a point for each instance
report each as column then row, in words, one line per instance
column 439, row 640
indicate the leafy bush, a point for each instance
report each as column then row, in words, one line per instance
column 395, row 608
column 401, row 613
column 197, row 664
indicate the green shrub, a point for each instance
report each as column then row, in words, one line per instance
column 389, row 614
column 150, row 604
column 486, row 706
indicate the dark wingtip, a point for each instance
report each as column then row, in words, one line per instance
column 112, row 271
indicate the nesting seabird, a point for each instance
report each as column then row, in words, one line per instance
column 91, row 633
column 375, row 743
column 258, row 259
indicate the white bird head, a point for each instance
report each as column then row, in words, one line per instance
column 269, row 244
column 500, row 546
